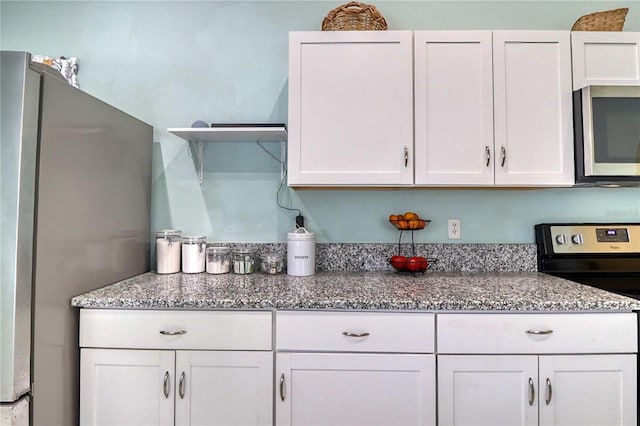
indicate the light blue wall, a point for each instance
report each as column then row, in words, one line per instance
column 173, row 62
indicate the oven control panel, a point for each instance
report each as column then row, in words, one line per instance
column 606, row 238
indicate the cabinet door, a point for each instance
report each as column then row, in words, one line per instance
column 533, row 108
column 453, row 108
column 350, row 108
column 126, row 387
column 487, row 390
column 605, row 58
column 355, row 389
column 224, row 388
column 588, row 390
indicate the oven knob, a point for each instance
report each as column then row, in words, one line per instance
column 577, row 239
column 561, row 239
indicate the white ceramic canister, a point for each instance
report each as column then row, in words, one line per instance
column 168, row 251
column 193, row 254
column 301, row 253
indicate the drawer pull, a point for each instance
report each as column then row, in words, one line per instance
column 165, row 385
column 349, row 334
column 172, row 333
column 488, row 151
column 282, row 387
column 539, row 331
column 181, row 386
column 532, row 392
column 549, row 392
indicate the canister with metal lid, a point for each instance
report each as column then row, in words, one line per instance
column 168, row 251
column 301, row 252
column 193, row 254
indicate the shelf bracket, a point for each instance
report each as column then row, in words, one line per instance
column 283, row 160
column 197, row 154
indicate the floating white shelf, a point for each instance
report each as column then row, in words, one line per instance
column 196, row 136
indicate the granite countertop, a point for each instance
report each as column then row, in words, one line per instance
column 450, row 291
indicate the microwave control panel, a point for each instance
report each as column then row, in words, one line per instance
column 585, row 239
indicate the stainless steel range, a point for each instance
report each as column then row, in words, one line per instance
column 603, row 255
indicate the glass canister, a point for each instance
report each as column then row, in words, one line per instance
column 193, row 254
column 271, row 263
column 168, row 251
column 244, row 260
column 218, row 260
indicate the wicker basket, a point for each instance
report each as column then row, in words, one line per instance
column 354, row 16
column 607, row 20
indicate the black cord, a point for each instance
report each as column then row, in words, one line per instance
column 284, row 178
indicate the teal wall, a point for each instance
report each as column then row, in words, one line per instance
column 173, row 62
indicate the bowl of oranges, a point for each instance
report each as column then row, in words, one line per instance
column 408, row 221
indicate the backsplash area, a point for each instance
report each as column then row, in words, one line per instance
column 448, row 257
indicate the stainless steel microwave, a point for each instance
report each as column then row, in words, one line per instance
column 607, row 135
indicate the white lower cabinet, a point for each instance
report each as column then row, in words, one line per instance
column 136, row 370
column 511, row 390
column 501, row 369
column 224, row 388
column 355, row 368
column 121, row 387
column 144, row 387
column 355, row 389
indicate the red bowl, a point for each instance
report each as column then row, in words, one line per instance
column 412, row 264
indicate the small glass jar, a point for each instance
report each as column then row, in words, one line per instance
column 244, row 260
column 193, row 254
column 271, row 263
column 218, row 260
column 168, row 251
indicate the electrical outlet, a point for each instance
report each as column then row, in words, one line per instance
column 453, row 228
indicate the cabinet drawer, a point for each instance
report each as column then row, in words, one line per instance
column 538, row 333
column 142, row 329
column 355, row 331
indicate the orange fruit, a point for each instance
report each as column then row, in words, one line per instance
column 411, row 216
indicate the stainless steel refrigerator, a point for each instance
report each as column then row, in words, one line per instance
column 75, row 200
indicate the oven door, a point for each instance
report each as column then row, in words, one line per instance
column 607, row 133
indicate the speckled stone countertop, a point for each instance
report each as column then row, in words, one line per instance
column 450, row 291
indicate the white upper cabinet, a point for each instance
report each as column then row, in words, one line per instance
column 533, row 116
column 453, row 108
column 491, row 108
column 605, row 58
column 350, row 108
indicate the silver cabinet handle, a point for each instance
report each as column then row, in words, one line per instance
column 532, row 392
column 173, row 333
column 165, row 385
column 406, row 156
column 488, row 151
column 539, row 331
column 549, row 392
column 181, row 386
column 282, row 387
column 503, row 152
column 349, row 334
